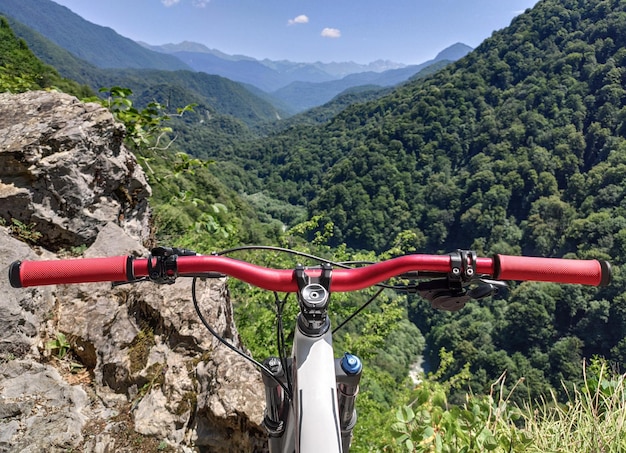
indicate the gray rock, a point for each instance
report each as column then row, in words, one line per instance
column 39, row 399
column 146, row 342
column 22, row 311
column 150, row 371
column 64, row 168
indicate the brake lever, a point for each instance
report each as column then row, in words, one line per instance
column 486, row 288
column 444, row 300
column 442, row 297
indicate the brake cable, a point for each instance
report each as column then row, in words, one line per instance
column 230, row 346
column 281, row 344
column 358, row 310
column 341, row 264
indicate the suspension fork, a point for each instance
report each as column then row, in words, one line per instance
column 277, row 402
column 314, row 371
column 348, row 370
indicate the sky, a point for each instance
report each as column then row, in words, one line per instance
column 363, row 31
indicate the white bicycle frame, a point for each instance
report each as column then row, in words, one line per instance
column 320, row 415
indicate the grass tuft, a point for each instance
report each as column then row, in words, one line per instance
column 592, row 420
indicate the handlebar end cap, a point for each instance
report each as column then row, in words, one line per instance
column 607, row 273
column 14, row 274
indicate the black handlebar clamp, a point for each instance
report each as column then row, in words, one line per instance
column 450, row 293
column 164, row 270
column 313, row 297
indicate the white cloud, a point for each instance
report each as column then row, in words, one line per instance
column 331, row 33
column 301, row 19
column 196, row 3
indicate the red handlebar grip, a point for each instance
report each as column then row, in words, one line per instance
column 558, row 270
column 58, row 272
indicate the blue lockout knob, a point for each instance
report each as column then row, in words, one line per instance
column 351, row 364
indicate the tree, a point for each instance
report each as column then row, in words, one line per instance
column 544, row 230
column 530, row 318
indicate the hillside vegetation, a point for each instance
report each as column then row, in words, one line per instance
column 21, row 70
column 518, row 148
column 100, row 46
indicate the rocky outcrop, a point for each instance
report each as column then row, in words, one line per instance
column 93, row 368
column 64, row 169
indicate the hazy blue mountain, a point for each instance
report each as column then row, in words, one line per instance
column 268, row 75
column 454, row 52
column 250, row 71
column 215, row 95
column 333, row 68
column 190, row 46
column 100, row 46
column 304, row 95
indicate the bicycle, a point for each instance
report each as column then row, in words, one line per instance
column 310, row 396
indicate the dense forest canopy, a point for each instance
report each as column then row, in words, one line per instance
column 520, row 147
column 476, row 150
column 21, row 70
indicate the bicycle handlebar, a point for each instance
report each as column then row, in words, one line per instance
column 129, row 269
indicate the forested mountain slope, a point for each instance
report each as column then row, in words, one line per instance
column 360, row 94
column 489, row 150
column 20, row 69
column 217, row 98
column 520, row 147
column 98, row 45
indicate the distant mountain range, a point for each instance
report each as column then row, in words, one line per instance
column 301, row 85
column 304, row 95
column 334, row 69
column 291, row 86
column 216, row 97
